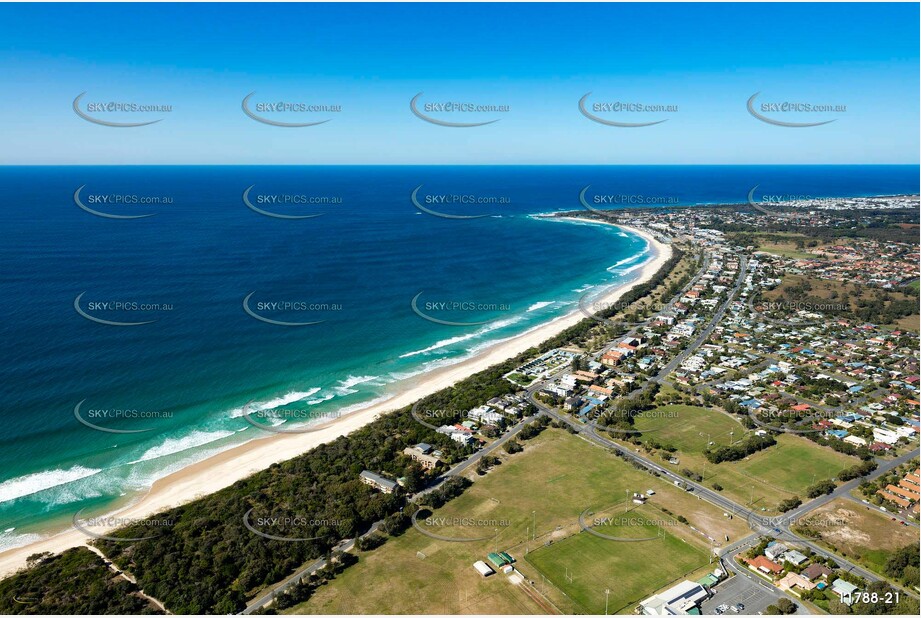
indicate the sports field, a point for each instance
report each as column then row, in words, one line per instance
column 584, row 566
column 794, row 463
column 688, row 428
column 764, row 479
column 551, row 483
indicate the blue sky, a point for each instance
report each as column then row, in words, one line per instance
column 538, row 59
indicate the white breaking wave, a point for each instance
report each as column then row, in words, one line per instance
column 345, row 386
column 540, row 305
column 10, row 541
column 171, row 446
column 313, row 402
column 140, row 478
column 632, row 268
column 458, row 339
column 277, row 402
column 40, row 481
column 367, row 404
column 428, row 366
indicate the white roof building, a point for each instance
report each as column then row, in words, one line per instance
column 677, row 600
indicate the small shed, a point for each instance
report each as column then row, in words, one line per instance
column 482, row 568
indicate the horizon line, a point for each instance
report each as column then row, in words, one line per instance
column 2, row 165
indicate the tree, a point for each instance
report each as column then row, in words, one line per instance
column 836, row 607
column 786, row 606
column 789, row 504
column 900, row 560
column 822, row 488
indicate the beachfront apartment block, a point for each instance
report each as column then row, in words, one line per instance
column 422, row 454
column 378, row 482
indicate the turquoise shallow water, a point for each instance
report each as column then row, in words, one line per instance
column 187, row 374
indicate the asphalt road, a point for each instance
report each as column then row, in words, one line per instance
column 301, row 573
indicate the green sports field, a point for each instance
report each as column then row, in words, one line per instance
column 584, row 565
column 687, row 428
column 764, row 479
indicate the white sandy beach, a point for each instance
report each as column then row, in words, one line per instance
column 224, row 469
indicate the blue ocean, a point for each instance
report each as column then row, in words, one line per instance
column 158, row 302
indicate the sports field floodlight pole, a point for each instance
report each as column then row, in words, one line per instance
column 607, row 591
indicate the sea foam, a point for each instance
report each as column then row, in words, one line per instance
column 40, row 481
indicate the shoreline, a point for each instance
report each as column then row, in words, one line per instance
column 227, row 467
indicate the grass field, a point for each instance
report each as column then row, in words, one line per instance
column 688, row 428
column 784, row 249
column 584, row 566
column 857, row 533
column 784, row 244
column 763, row 479
column 551, row 483
column 794, row 463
